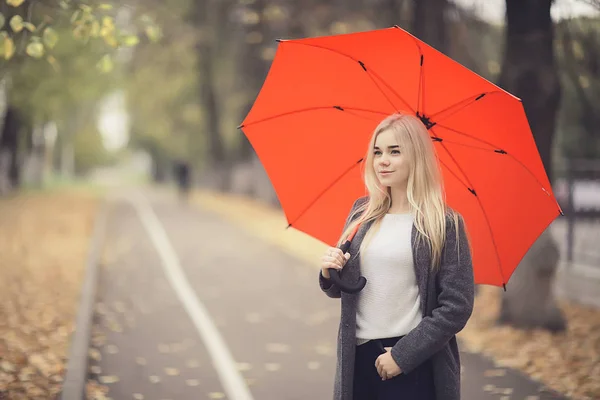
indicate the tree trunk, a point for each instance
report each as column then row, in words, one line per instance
column 9, row 151
column 393, row 12
column 33, row 167
column 429, row 22
column 255, row 68
column 529, row 72
column 216, row 170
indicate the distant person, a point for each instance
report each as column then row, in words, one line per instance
column 397, row 337
column 182, row 176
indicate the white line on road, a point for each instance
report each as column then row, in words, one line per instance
column 232, row 381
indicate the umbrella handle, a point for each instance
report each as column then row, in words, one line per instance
column 337, row 280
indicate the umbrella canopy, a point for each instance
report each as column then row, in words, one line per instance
column 324, row 96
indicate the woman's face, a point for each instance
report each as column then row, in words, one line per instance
column 389, row 162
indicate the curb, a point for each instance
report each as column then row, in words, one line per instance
column 77, row 366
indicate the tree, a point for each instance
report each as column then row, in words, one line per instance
column 429, row 22
column 161, row 92
column 206, row 20
column 529, row 71
column 578, row 57
column 31, row 32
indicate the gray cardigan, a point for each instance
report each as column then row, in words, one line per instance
column 446, row 303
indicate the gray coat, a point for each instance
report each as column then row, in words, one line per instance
column 446, row 303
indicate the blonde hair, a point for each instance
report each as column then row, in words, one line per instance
column 425, row 190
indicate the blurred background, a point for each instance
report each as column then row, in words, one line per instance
column 118, row 94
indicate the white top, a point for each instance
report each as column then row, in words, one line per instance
column 389, row 304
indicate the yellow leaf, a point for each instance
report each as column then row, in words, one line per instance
column 54, row 63
column 111, row 41
column 9, row 48
column 2, row 20
column 105, row 64
column 105, row 31
column 78, row 31
column 75, row 16
column 153, row 33
column 108, row 22
column 130, row 40
column 105, row 6
column 50, row 37
column 16, row 23
column 14, row 3
column 95, row 29
column 29, row 26
column 35, row 49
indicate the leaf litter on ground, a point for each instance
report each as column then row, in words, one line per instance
column 44, row 239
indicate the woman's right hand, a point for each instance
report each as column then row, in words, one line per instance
column 333, row 259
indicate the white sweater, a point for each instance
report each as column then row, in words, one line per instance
column 389, row 304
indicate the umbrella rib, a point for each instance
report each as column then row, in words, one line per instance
column 369, row 71
column 493, row 146
column 536, row 179
column 469, row 184
column 324, row 191
column 487, row 221
column 496, row 149
column 341, row 108
column 469, row 100
column 421, row 88
column 349, row 111
column 468, row 145
column 454, row 174
column 421, row 93
column 391, row 89
column 381, row 90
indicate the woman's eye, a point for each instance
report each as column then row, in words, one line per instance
column 377, row 152
column 395, row 151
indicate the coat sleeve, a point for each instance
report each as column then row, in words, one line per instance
column 326, row 285
column 456, row 292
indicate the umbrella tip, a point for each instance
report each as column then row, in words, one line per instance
column 504, row 286
column 397, row 26
column 240, row 126
column 289, row 226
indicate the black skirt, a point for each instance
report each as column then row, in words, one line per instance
column 416, row 385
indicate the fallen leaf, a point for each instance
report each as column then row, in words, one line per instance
column 272, row 367
column 278, row 348
column 107, row 379
column 314, row 365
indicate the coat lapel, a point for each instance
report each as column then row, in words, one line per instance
column 422, row 263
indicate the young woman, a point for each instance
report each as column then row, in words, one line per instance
column 396, row 337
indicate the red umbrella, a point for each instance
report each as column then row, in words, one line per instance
column 322, row 99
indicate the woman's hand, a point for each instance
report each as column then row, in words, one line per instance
column 386, row 366
column 333, row 259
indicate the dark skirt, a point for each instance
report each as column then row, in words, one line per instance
column 416, row 385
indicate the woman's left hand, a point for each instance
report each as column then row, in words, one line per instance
column 386, row 366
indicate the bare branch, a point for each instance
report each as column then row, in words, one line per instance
column 593, row 3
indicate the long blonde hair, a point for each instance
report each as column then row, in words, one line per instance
column 425, row 190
